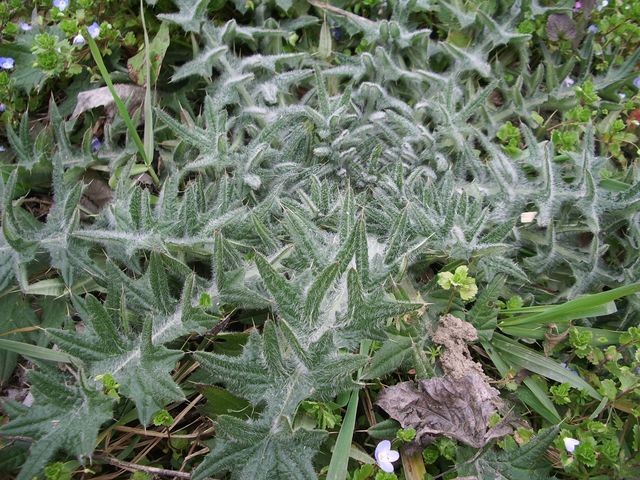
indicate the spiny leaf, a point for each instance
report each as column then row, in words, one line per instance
column 257, row 450
column 65, row 416
column 191, row 15
column 141, row 368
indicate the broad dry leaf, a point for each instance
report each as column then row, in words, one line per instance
column 458, row 408
column 131, row 95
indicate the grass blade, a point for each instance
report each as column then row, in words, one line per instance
column 341, row 451
column 340, row 457
column 532, row 394
column 524, row 357
column 581, row 307
column 34, row 351
column 148, row 107
column 122, row 109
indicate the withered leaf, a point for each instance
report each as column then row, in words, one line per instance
column 458, row 408
column 131, row 95
column 96, row 194
column 560, row 26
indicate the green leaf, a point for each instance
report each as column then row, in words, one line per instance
column 340, row 457
column 34, row 351
column 524, row 463
column 157, row 49
column 483, row 316
column 533, row 394
column 191, row 15
column 581, row 307
column 141, row 368
column 261, row 374
column 16, row 314
column 26, row 77
column 148, row 105
column 201, row 65
column 64, row 416
column 259, row 451
column 318, row 291
column 221, row 402
column 523, row 357
column 22, row 144
column 389, row 357
column 122, row 109
column 385, row 429
column 286, row 296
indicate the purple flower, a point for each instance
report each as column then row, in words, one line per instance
column 61, row 4
column 622, row 95
column 25, row 27
column 593, row 29
column 567, row 82
column 578, row 5
column 636, row 82
column 78, row 39
column 6, row 63
column 2, row 149
column 95, row 144
column 2, row 107
column 385, row 456
column 94, row 30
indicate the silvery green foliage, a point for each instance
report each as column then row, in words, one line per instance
column 304, row 190
column 67, row 415
column 136, row 358
column 295, row 358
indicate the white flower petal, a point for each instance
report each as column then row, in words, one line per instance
column 570, row 444
column 392, row 456
column 386, row 466
column 383, row 446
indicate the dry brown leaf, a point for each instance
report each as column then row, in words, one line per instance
column 97, row 193
column 458, row 408
column 551, row 340
column 131, row 95
column 454, row 334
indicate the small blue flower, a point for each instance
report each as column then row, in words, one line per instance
column 2, row 107
column 78, row 40
column 2, row 149
column 568, row 82
column 593, row 29
column 6, row 63
column 61, row 4
column 636, row 82
column 25, row 27
column 94, row 30
column 95, row 144
column 622, row 95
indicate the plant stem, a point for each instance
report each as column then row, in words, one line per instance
column 141, row 468
column 453, row 292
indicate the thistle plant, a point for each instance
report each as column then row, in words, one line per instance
column 308, row 212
